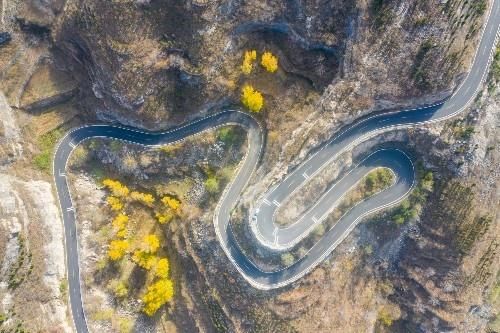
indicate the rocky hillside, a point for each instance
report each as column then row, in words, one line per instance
column 32, row 237
column 156, row 63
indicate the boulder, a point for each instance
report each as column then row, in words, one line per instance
column 4, row 38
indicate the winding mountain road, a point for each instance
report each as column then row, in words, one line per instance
column 262, row 218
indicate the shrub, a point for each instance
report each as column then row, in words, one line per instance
column 79, row 156
column 319, row 230
column 103, row 315
column 385, row 317
column 226, row 173
column 399, row 219
column 212, row 185
column 226, row 135
column 46, row 143
column 252, row 99
column 495, row 66
column 125, row 325
column 479, row 7
column 129, row 162
column 43, row 161
column 287, row 259
column 120, row 289
column 63, row 287
column 378, row 180
column 381, row 12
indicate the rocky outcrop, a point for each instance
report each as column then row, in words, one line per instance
column 10, row 134
column 4, row 38
column 33, row 258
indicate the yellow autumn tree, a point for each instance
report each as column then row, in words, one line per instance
column 269, row 62
column 162, row 268
column 157, row 295
column 114, row 203
column 171, row 203
column 145, row 198
column 252, row 99
column 117, row 249
column 144, row 259
column 120, row 222
column 164, row 218
column 151, row 243
column 122, row 233
column 248, row 59
column 117, row 188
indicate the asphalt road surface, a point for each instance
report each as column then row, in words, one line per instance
column 262, row 219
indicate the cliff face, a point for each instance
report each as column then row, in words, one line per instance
column 153, row 61
column 138, row 60
column 144, row 59
column 156, row 63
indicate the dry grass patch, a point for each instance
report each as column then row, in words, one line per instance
column 46, row 82
column 52, row 118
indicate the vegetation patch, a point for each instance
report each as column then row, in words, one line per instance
column 382, row 13
column 411, row 207
column 216, row 312
column 46, row 83
column 226, row 135
column 419, row 73
column 456, row 213
column 267, row 322
column 46, row 144
column 495, row 70
column 22, row 268
column 459, row 11
column 461, row 131
column 494, row 301
column 143, row 251
column 10, row 323
column 375, row 181
column 471, row 231
column 131, row 240
column 251, row 98
column 487, row 265
column 217, row 179
column 269, row 62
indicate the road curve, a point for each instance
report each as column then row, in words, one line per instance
column 262, row 219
